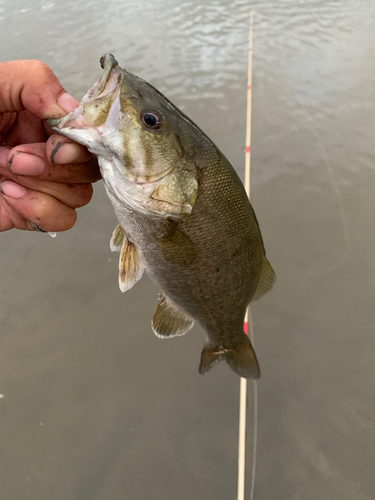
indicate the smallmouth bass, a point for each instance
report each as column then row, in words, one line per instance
column 184, row 216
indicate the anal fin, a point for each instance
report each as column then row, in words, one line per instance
column 169, row 321
column 130, row 267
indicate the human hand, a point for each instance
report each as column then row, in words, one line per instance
column 44, row 177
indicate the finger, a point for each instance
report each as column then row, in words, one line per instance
column 72, row 195
column 27, row 129
column 9, row 219
column 62, row 150
column 31, row 160
column 33, row 206
column 32, row 85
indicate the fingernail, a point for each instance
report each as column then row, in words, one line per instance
column 11, row 189
column 67, row 102
column 25, row 164
column 65, row 152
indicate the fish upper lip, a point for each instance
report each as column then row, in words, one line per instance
column 109, row 80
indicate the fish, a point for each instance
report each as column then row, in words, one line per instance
column 184, row 216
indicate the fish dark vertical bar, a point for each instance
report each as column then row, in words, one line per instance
column 248, row 320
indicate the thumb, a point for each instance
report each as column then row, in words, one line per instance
column 31, row 85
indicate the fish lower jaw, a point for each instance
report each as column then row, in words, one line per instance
column 76, row 128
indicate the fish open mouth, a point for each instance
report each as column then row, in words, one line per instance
column 109, row 81
column 102, row 119
column 81, row 118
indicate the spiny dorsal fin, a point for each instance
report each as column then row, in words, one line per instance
column 266, row 281
column 117, row 239
column 130, row 267
column 168, row 321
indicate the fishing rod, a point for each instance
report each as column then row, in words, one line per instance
column 248, row 324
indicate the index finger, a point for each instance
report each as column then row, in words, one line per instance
column 31, row 85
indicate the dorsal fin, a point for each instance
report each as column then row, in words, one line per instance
column 266, row 280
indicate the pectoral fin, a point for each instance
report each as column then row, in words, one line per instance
column 117, row 239
column 168, row 321
column 130, row 267
column 177, row 191
column 266, row 281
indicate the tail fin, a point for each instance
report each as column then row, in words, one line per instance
column 241, row 359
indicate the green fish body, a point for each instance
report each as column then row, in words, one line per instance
column 183, row 214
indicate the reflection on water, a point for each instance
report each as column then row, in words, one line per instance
column 96, row 407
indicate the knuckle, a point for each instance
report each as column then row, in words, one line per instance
column 79, row 195
column 69, row 220
column 41, row 67
column 86, row 192
column 41, row 206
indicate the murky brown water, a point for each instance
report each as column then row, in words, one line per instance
column 96, row 407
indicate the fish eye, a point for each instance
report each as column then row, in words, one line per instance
column 152, row 119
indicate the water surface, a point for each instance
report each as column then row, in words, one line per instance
column 95, row 406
